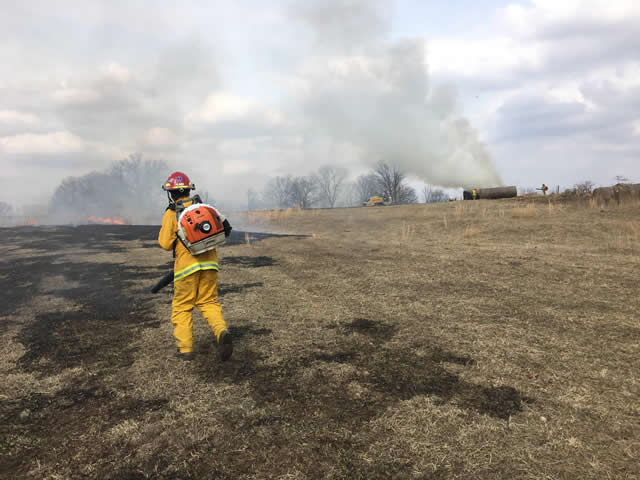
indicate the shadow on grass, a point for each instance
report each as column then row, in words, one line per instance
column 327, row 395
column 249, row 262
column 390, row 371
column 237, row 288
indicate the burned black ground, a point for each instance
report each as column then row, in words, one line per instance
column 98, row 336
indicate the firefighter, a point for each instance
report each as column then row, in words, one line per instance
column 474, row 193
column 543, row 189
column 195, row 277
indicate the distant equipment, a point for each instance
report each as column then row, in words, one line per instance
column 490, row 193
column 376, row 201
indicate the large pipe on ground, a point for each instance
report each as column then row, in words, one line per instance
column 491, row 193
column 498, row 192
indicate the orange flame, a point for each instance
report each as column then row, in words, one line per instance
column 31, row 222
column 107, row 221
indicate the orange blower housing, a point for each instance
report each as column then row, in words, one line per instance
column 200, row 228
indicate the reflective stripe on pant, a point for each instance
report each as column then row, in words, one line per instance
column 199, row 289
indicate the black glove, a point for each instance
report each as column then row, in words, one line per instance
column 227, row 228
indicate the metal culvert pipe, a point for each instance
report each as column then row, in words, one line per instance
column 498, row 192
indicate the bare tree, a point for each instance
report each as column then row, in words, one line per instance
column 584, row 187
column 366, row 186
column 329, row 182
column 141, row 179
column 302, row 191
column 426, row 193
column 389, row 180
column 433, row 195
column 129, row 189
column 392, row 184
column 95, row 193
column 406, row 194
column 279, row 190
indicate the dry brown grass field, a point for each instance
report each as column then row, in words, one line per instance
column 468, row 340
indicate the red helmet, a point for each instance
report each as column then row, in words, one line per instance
column 178, row 181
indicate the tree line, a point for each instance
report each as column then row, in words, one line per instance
column 126, row 187
column 135, row 181
column 328, row 187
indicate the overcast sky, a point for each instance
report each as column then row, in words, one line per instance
column 462, row 92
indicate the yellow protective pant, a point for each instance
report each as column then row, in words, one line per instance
column 199, row 289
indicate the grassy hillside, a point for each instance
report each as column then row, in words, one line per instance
column 464, row 340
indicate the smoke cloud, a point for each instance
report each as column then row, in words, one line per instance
column 302, row 84
column 382, row 106
column 374, row 94
column 353, row 97
column 127, row 192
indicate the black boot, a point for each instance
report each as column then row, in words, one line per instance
column 225, row 346
column 188, row 356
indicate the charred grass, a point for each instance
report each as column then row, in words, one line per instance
column 477, row 340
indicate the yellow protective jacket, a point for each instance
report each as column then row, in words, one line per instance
column 185, row 263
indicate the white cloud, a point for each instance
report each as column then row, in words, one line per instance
column 223, row 106
column 570, row 94
column 487, row 57
column 160, row 137
column 553, row 77
column 19, row 119
column 76, row 96
column 48, row 143
column 55, row 143
column 236, row 167
column 544, row 16
column 114, row 71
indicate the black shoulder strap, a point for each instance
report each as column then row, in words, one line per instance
column 178, row 208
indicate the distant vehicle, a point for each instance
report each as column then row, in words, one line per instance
column 376, row 201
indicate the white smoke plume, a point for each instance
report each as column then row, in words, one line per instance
column 373, row 96
column 355, row 96
column 316, row 83
column 382, row 107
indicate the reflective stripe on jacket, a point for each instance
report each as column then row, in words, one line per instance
column 178, row 274
column 185, row 263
